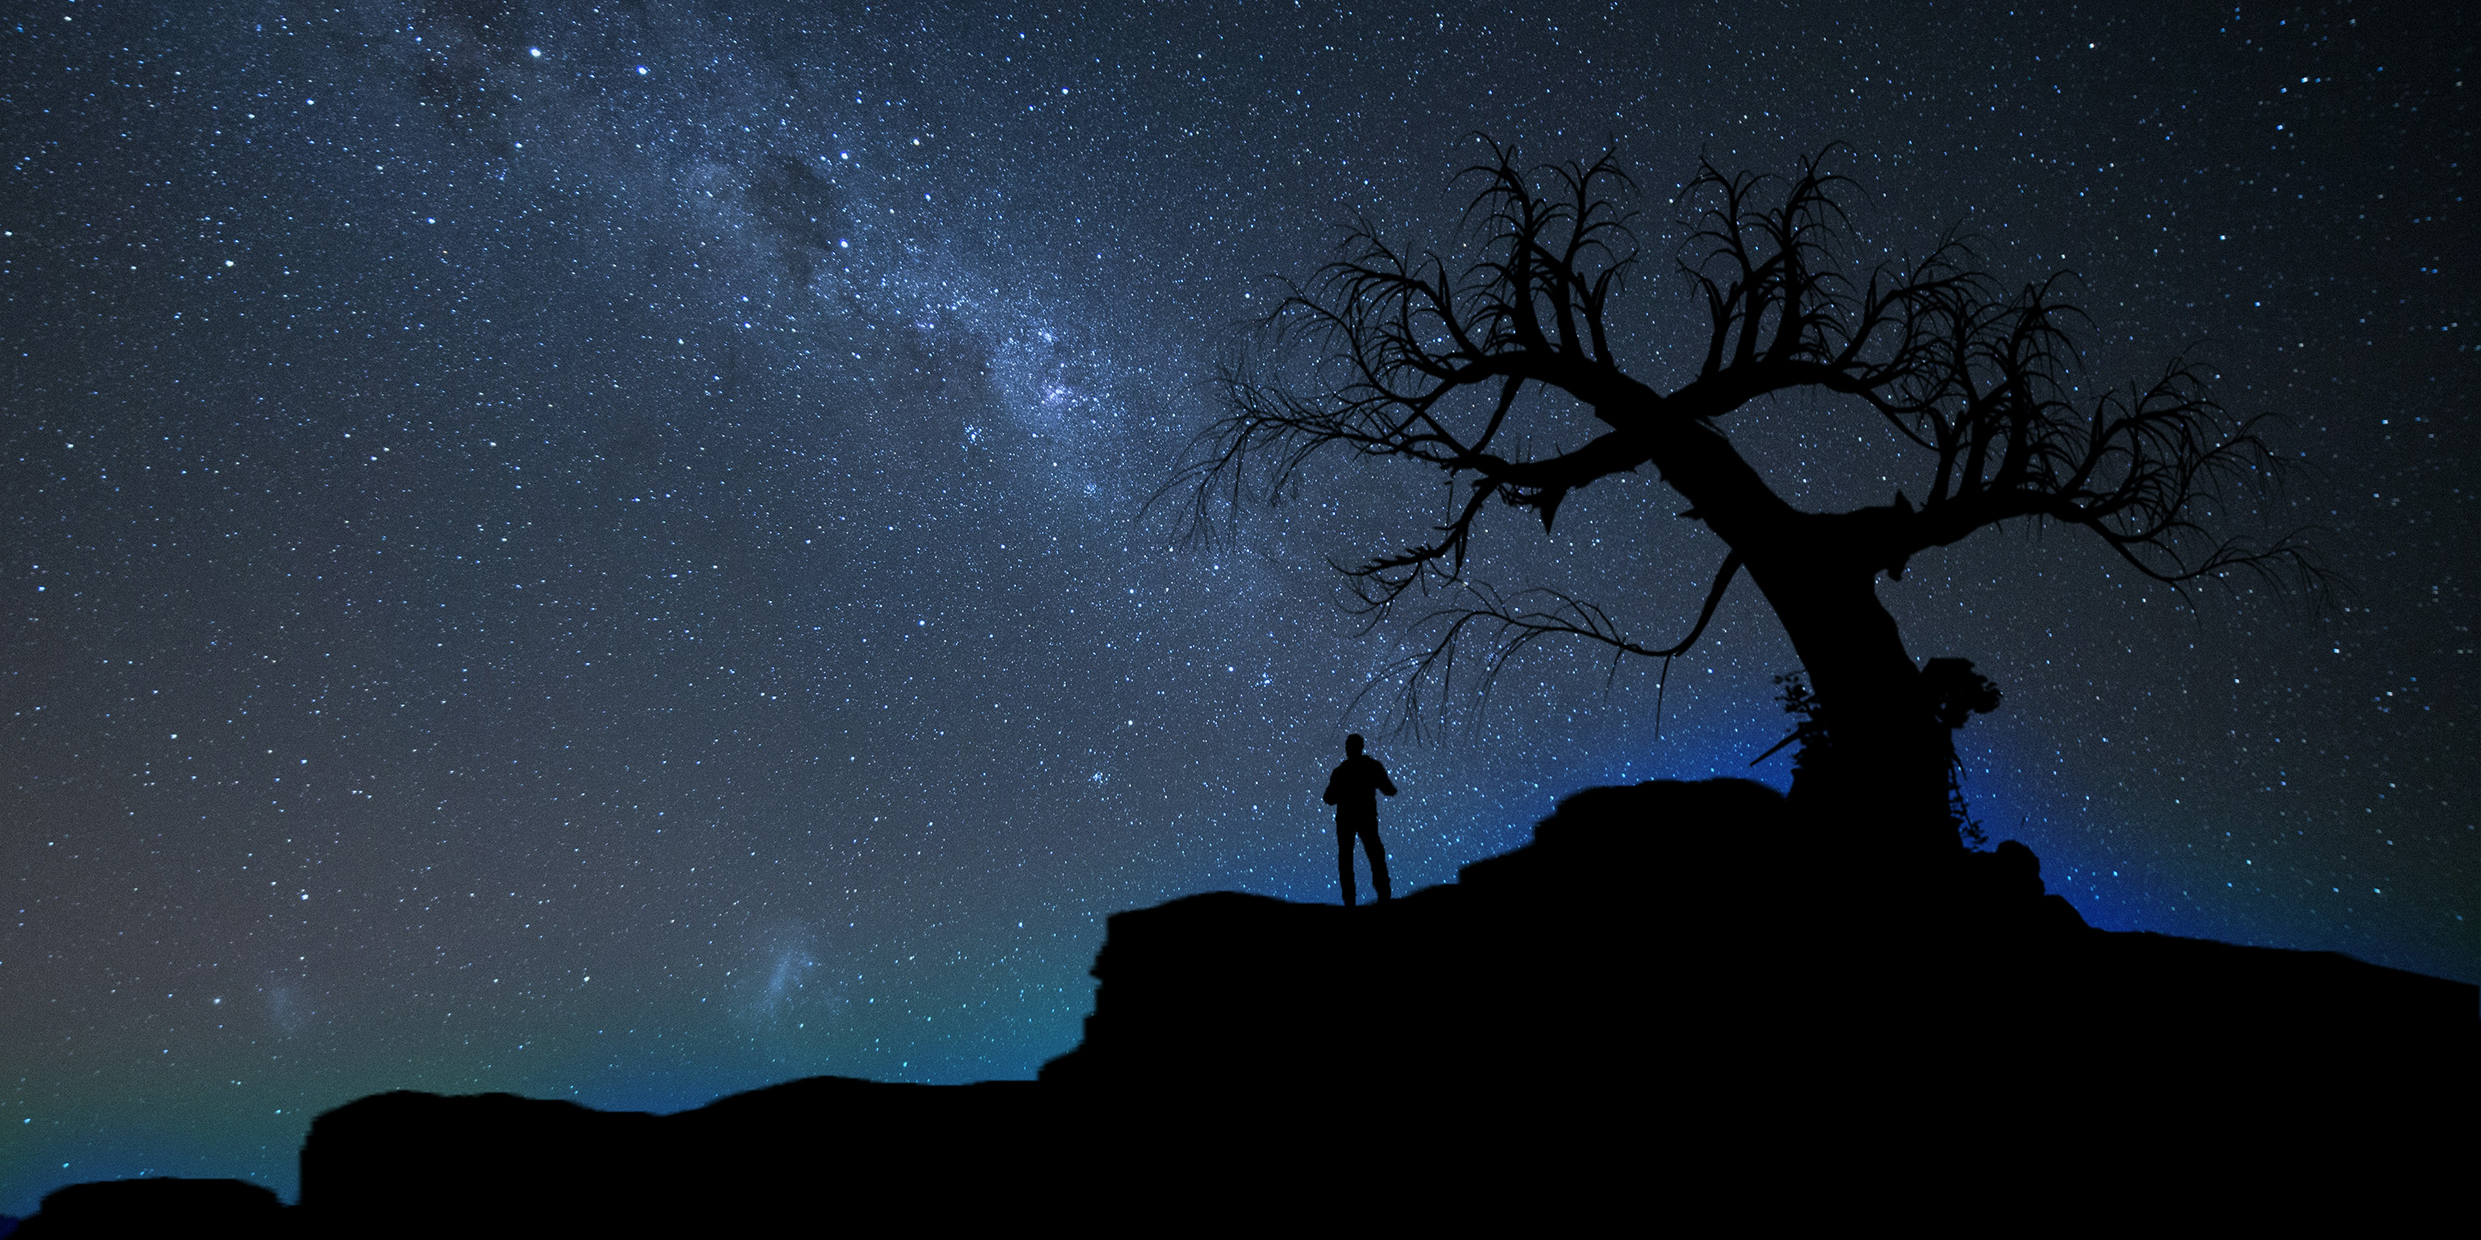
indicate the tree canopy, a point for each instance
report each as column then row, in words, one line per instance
column 1391, row 354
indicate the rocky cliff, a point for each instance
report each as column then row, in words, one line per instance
column 1670, row 981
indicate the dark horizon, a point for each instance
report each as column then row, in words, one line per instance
column 601, row 557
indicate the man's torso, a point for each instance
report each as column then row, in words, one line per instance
column 1353, row 788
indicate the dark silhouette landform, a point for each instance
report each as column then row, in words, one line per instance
column 1671, row 978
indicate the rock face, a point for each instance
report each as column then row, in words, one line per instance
column 1670, row 980
column 791, row 1156
column 1688, row 945
column 1538, row 972
column 156, row 1206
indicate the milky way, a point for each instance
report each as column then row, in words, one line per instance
column 604, row 553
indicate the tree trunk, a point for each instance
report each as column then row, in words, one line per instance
column 1882, row 784
column 1881, row 787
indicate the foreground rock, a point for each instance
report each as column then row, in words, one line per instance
column 1672, row 985
column 162, row 1206
column 1684, row 945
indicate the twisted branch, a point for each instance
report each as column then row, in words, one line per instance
column 1389, row 354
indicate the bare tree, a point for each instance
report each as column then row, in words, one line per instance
column 1391, row 355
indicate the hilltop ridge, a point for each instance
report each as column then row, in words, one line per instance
column 1665, row 971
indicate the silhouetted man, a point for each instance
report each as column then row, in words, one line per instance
column 1353, row 790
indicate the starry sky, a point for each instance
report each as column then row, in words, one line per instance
column 602, row 551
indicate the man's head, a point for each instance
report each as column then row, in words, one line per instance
column 1352, row 745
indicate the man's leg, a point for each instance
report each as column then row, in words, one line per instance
column 1343, row 855
column 1378, row 859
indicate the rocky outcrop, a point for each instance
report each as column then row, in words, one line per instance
column 763, row 1162
column 1543, row 970
column 1672, row 980
column 156, row 1206
column 1691, row 942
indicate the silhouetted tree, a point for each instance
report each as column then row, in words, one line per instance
column 1388, row 354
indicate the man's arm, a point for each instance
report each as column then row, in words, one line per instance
column 1329, row 798
column 1384, row 784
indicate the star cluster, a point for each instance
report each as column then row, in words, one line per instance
column 604, row 551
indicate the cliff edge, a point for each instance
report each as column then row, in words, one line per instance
column 1672, row 979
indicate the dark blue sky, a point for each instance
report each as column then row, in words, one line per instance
column 597, row 552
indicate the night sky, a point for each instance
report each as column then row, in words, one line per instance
column 600, row 552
